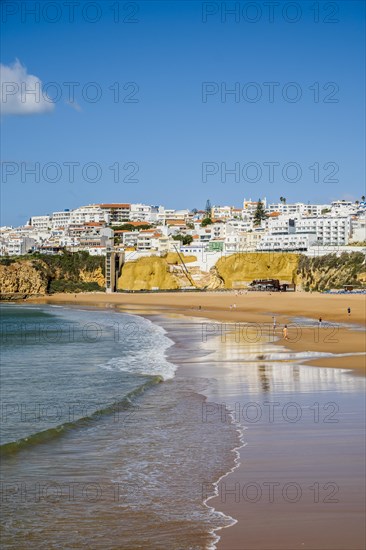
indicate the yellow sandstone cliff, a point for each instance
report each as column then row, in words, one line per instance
column 23, row 277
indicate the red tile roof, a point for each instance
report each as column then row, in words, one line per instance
column 175, row 222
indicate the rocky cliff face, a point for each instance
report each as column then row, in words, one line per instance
column 331, row 271
column 94, row 276
column 146, row 274
column 239, row 269
column 81, row 273
column 42, row 275
column 166, row 274
column 24, row 277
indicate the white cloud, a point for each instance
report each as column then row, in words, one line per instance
column 21, row 93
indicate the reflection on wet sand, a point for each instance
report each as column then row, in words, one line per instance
column 303, row 426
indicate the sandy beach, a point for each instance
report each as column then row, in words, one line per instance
column 336, row 336
column 309, row 455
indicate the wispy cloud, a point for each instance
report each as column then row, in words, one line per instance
column 21, row 93
column 74, row 105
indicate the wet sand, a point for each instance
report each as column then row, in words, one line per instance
column 337, row 335
column 299, row 484
column 255, row 305
column 320, row 454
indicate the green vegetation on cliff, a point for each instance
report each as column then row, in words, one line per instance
column 43, row 273
column 332, row 271
column 80, row 272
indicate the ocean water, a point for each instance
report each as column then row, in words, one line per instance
column 107, row 444
column 102, row 442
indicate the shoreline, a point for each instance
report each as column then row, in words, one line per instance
column 238, row 473
column 340, row 338
column 259, row 441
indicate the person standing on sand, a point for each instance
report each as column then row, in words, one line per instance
column 274, row 323
column 349, row 311
column 320, row 322
column 285, row 332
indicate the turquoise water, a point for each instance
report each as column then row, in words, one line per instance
column 62, row 365
column 103, row 444
column 108, row 445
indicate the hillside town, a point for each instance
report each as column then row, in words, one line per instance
column 142, row 230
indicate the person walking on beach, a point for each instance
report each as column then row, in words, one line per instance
column 285, row 332
column 349, row 311
column 274, row 323
column 320, row 322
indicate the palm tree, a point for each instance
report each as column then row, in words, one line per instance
column 283, row 200
column 363, row 198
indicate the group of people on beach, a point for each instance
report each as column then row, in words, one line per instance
column 285, row 328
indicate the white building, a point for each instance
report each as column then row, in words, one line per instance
column 221, row 212
column 249, row 206
column 61, row 219
column 41, row 222
column 288, row 243
column 325, row 231
column 140, row 213
column 234, row 226
column 15, row 245
column 343, row 208
column 89, row 214
column 244, row 241
column 177, row 214
column 358, row 229
column 118, row 213
column 218, row 230
column 129, row 238
column 298, row 208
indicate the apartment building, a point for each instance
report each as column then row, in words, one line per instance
column 61, row 219
column 140, row 213
column 218, row 230
column 145, row 240
column 129, row 238
column 278, row 243
column 89, row 214
column 323, row 231
column 282, row 224
column 299, row 208
column 249, row 206
column 118, row 213
column 42, row 223
column 235, row 226
column 15, row 245
column 343, row 208
column 243, row 241
column 221, row 212
column 171, row 214
column 358, row 229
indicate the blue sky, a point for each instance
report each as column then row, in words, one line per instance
column 169, row 132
